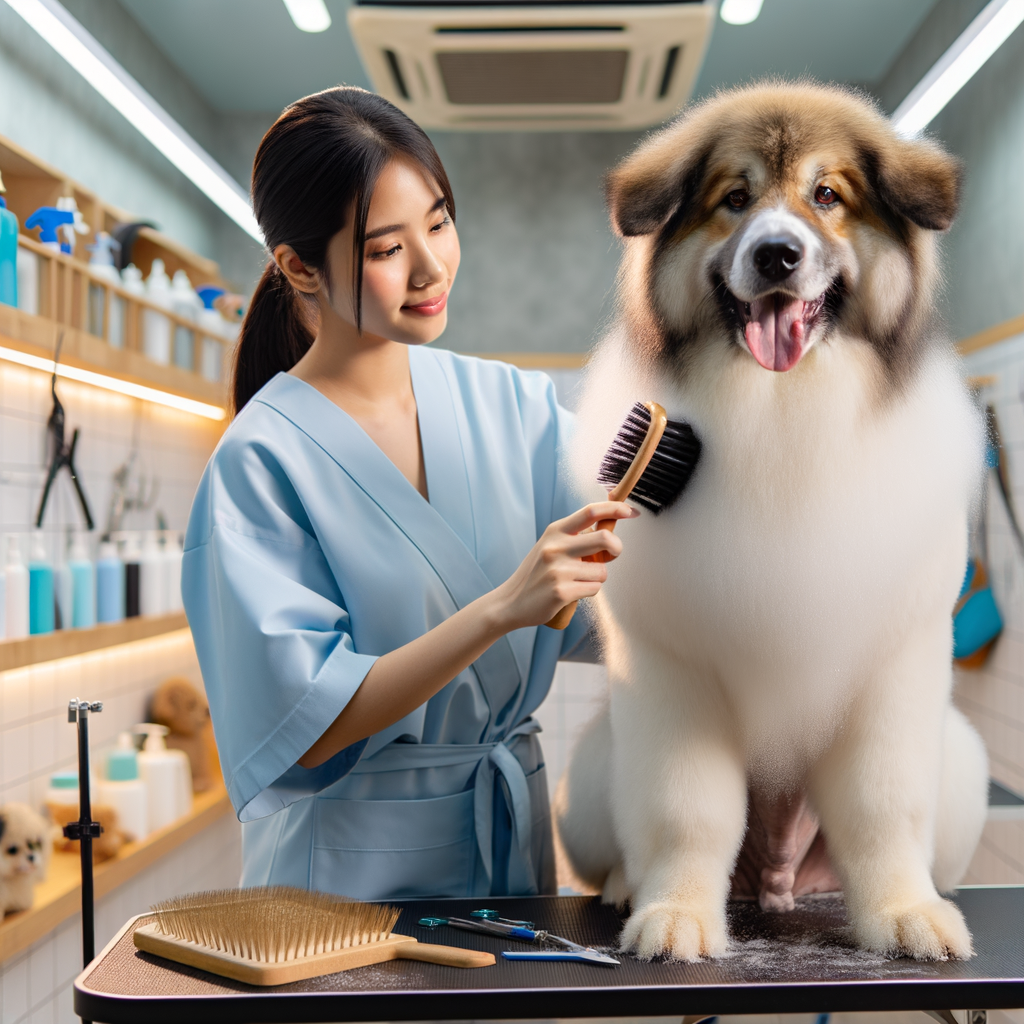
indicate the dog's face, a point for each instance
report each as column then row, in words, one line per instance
column 180, row 706
column 24, row 839
column 776, row 218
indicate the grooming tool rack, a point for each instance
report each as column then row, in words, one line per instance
column 798, row 962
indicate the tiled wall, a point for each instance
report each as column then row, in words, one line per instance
column 37, row 739
column 35, row 736
column 173, row 449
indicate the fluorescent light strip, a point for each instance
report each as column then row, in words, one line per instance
column 958, row 65
column 123, row 387
column 71, row 40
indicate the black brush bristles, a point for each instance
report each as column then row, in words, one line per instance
column 670, row 468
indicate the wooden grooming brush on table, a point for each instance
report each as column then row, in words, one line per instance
column 275, row 935
column 650, row 462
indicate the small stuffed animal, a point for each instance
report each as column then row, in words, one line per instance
column 109, row 841
column 24, row 855
column 183, row 709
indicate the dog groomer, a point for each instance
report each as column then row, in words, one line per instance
column 377, row 539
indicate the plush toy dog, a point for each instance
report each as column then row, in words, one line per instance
column 183, row 709
column 24, row 855
column 105, row 846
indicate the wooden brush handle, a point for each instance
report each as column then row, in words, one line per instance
column 450, row 956
column 620, row 492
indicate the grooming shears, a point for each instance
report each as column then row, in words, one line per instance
column 505, row 928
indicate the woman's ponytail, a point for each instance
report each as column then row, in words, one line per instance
column 275, row 335
column 317, row 165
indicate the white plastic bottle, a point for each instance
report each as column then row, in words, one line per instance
column 83, row 585
column 156, row 328
column 152, row 576
column 188, row 305
column 172, row 570
column 102, row 267
column 28, row 281
column 123, row 790
column 167, row 775
column 16, row 597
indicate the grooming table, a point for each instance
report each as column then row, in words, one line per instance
column 797, row 962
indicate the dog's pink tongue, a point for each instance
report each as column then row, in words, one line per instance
column 775, row 333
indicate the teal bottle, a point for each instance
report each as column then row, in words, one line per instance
column 40, row 590
column 8, row 254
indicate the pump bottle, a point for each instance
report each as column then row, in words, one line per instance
column 17, row 587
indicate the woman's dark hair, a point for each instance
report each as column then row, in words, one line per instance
column 320, row 160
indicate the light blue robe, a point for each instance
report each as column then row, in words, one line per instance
column 307, row 556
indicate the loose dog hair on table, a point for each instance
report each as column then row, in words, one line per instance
column 779, row 642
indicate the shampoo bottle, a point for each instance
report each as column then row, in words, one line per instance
column 17, row 592
column 109, row 584
column 63, row 595
column 123, row 790
column 212, row 324
column 8, row 253
column 152, row 577
column 167, row 775
column 132, row 573
column 40, row 588
column 83, row 586
column 186, row 304
column 28, row 281
column 156, row 328
column 172, row 570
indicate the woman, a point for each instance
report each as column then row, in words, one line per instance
column 377, row 539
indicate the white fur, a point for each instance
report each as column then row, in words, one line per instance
column 786, row 625
column 25, row 847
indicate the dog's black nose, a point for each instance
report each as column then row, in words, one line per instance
column 777, row 258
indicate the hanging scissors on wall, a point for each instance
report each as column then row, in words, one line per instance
column 63, row 455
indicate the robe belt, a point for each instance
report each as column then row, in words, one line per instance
column 492, row 759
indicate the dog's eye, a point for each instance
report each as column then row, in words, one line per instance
column 11, row 850
column 738, row 198
column 825, row 196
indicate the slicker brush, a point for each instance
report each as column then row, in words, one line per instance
column 276, row 934
column 650, row 462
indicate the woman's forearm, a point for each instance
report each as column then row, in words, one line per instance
column 400, row 681
column 557, row 570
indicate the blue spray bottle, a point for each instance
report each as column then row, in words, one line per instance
column 48, row 219
column 8, row 253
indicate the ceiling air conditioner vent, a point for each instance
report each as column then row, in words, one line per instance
column 533, row 65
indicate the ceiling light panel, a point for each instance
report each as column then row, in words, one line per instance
column 309, row 15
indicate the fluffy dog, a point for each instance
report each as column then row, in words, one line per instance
column 24, row 855
column 779, row 641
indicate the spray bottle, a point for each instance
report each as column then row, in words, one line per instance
column 212, row 324
column 8, row 253
column 48, row 219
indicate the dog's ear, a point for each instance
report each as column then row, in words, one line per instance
column 918, row 180
column 663, row 176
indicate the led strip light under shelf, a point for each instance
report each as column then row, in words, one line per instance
column 123, row 387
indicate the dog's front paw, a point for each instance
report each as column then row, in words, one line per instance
column 934, row 930
column 676, row 929
column 615, row 890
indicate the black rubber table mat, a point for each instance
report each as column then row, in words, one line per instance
column 798, row 962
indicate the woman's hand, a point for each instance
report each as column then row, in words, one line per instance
column 554, row 573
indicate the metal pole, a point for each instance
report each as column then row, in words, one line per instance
column 85, row 829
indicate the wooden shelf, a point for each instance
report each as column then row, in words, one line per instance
column 85, row 309
column 60, row 896
column 32, row 650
